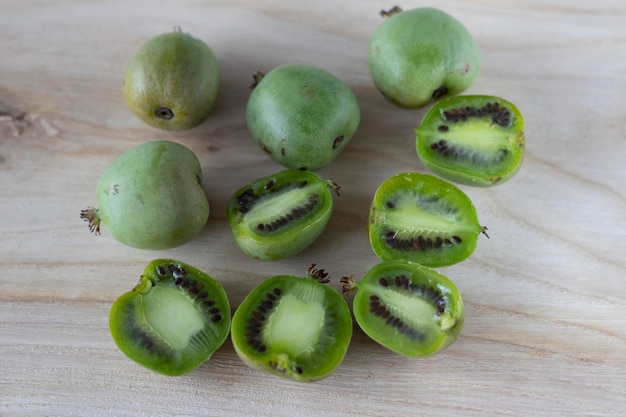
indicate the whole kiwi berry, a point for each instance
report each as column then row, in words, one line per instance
column 420, row 55
column 172, row 81
column 302, row 116
column 151, row 197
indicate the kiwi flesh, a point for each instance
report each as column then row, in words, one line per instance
column 408, row 308
column 293, row 327
column 280, row 215
column 423, row 219
column 174, row 319
column 473, row 140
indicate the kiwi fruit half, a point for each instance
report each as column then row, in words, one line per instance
column 473, row 140
column 424, row 219
column 293, row 327
column 281, row 214
column 408, row 308
column 174, row 319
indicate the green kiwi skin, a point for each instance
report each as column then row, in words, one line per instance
column 294, row 237
column 458, row 219
column 151, row 197
column 418, row 56
column 315, row 365
column 302, row 116
column 177, row 71
column 442, row 328
column 474, row 134
column 164, row 358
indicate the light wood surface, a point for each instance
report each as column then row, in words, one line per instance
column 545, row 332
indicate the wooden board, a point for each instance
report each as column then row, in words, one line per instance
column 545, row 333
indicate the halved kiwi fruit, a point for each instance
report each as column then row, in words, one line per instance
column 293, row 327
column 473, row 140
column 173, row 320
column 424, row 219
column 281, row 214
column 408, row 308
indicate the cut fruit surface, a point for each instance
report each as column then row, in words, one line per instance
column 280, row 215
column 408, row 308
column 173, row 320
column 472, row 140
column 292, row 327
column 423, row 219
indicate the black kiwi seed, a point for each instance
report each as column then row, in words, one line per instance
column 192, row 287
column 295, row 213
column 255, row 322
column 403, row 283
column 420, row 243
column 499, row 115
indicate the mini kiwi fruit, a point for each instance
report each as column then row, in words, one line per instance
column 151, row 197
column 294, row 327
column 172, row 81
column 281, row 214
column 408, row 308
column 421, row 55
column 174, row 319
column 424, row 219
column 301, row 116
column 474, row 140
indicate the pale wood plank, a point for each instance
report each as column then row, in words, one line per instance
column 545, row 332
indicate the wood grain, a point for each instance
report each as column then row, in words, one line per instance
column 545, row 332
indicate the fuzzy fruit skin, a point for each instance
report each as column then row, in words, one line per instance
column 414, row 53
column 151, row 197
column 175, row 71
column 302, row 116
